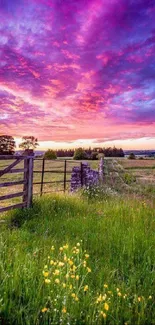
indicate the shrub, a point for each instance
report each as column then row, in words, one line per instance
column 132, row 156
column 50, row 154
column 128, row 178
column 80, row 154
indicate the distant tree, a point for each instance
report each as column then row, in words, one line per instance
column 29, row 142
column 132, row 156
column 7, row 145
column 50, row 154
column 80, row 154
column 94, row 155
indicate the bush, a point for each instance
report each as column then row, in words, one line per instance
column 132, row 156
column 129, row 179
column 80, row 154
column 50, row 154
column 94, row 155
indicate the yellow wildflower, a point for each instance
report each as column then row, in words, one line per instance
column 72, row 276
column 84, row 263
column 117, row 289
column 51, row 262
column 44, row 310
column 139, row 299
column 52, row 248
column 86, row 255
column 64, row 285
column 57, row 281
column 70, row 287
column 106, row 306
column 150, row 297
column 73, row 295
column 74, row 268
column 70, row 262
column 119, row 294
column 77, row 277
column 65, row 258
column 45, row 273
column 77, row 251
column 65, row 246
column 86, row 288
column 105, row 285
column 76, row 298
column 103, row 314
column 67, row 276
column 78, row 244
column 60, row 264
column 47, row 281
column 61, row 249
column 64, row 310
column 88, row 269
column 99, row 299
column 56, row 272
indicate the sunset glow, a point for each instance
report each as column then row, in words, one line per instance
column 78, row 73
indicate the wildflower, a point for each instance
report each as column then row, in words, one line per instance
column 73, row 295
column 70, row 262
column 78, row 244
column 86, row 255
column 56, row 272
column 119, row 294
column 65, row 246
column 139, row 299
column 67, row 276
column 64, row 285
column 64, row 310
column 86, row 288
column 150, row 297
column 47, row 281
column 44, row 310
column 103, row 314
column 77, row 277
column 74, row 268
column 117, row 289
column 52, row 248
column 60, row 264
column 45, row 273
column 61, row 249
column 99, row 299
column 57, row 281
column 51, row 262
column 106, row 306
column 76, row 298
column 77, row 251
column 70, row 287
column 72, row 276
column 105, row 285
column 65, row 258
column 84, row 263
column 88, row 269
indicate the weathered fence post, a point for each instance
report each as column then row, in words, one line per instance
column 81, row 174
column 42, row 177
column 28, row 177
column 65, row 169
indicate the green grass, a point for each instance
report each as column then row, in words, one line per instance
column 119, row 237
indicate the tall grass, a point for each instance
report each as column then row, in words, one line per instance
column 119, row 237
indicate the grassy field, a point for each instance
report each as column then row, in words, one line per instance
column 73, row 261
column 57, row 165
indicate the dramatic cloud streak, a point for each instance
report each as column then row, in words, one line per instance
column 74, row 70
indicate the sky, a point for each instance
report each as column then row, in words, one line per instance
column 78, row 72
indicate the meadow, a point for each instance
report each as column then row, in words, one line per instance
column 84, row 258
column 70, row 260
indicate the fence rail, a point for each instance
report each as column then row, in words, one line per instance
column 27, row 173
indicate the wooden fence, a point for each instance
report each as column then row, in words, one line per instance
column 28, row 172
column 27, row 181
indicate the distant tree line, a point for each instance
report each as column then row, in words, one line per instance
column 7, row 146
column 91, row 153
